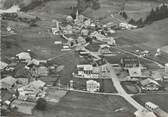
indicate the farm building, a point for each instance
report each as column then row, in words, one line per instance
column 92, row 86
column 130, row 62
column 149, row 85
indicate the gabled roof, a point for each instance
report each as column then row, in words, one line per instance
column 104, row 45
column 35, row 85
column 148, row 81
column 3, row 65
column 24, row 55
column 141, row 113
column 7, row 82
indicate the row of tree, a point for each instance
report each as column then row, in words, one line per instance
column 159, row 13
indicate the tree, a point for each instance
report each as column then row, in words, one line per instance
column 82, row 5
column 41, row 104
column 139, row 22
column 95, row 4
column 124, row 14
column 132, row 21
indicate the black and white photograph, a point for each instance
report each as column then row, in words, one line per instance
column 84, row 58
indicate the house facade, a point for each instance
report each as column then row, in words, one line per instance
column 92, row 86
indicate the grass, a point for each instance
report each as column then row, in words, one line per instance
column 87, row 105
column 150, row 38
column 139, row 9
column 158, row 99
column 130, row 87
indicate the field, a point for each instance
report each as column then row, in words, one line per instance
column 155, row 98
column 130, row 87
column 139, row 8
column 87, row 105
column 150, row 38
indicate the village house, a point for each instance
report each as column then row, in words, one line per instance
column 7, row 82
column 3, row 65
column 81, row 40
column 92, row 86
column 32, row 91
column 22, row 81
column 68, row 29
column 98, row 69
column 104, row 49
column 87, row 71
column 38, row 71
column 149, row 85
column 25, row 56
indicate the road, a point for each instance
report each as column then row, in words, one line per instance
column 121, row 91
column 125, row 51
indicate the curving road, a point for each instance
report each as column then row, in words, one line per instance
column 121, row 91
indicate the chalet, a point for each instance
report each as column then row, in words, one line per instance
column 149, row 85
column 104, row 49
column 129, row 62
column 92, row 86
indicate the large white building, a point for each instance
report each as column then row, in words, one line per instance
column 92, row 86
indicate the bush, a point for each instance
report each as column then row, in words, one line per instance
column 41, row 104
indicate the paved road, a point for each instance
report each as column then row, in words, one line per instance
column 121, row 91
